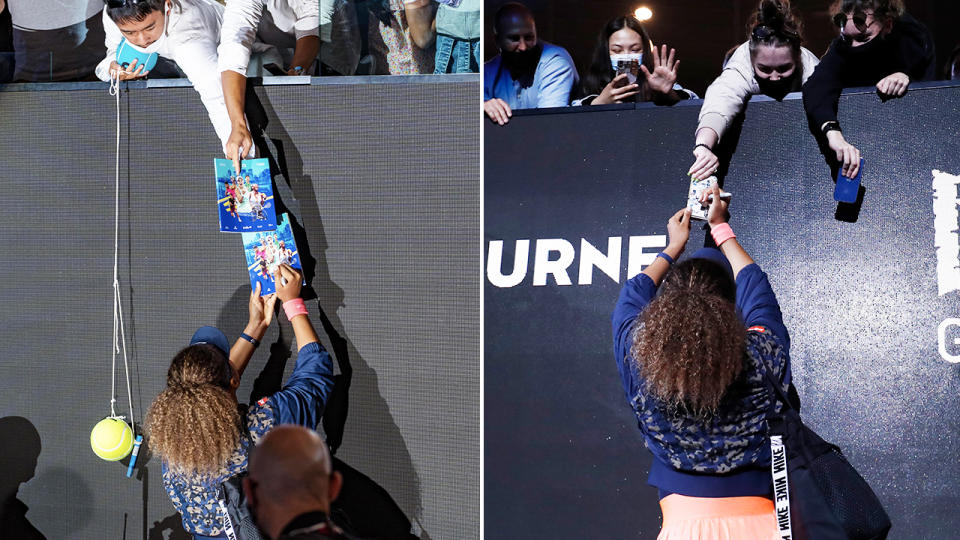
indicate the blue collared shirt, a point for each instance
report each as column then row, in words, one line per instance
column 555, row 77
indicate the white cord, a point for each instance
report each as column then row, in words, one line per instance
column 119, row 336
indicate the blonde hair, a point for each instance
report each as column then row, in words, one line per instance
column 194, row 424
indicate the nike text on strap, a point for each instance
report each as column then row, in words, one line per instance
column 227, row 524
column 781, row 487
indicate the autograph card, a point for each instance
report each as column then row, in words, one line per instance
column 245, row 201
column 266, row 250
column 697, row 187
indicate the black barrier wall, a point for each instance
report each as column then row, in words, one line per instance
column 576, row 201
column 383, row 178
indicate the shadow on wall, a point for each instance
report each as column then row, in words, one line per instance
column 60, row 485
column 170, row 524
column 18, row 464
column 364, row 508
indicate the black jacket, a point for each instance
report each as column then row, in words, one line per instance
column 908, row 48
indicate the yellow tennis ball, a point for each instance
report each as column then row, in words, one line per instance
column 111, row 439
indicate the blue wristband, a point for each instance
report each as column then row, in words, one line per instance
column 253, row 341
column 665, row 257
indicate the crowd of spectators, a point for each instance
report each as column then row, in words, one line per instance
column 66, row 40
column 878, row 44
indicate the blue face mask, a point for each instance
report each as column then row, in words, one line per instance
column 615, row 60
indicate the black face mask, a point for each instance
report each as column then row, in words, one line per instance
column 779, row 89
column 523, row 61
column 869, row 48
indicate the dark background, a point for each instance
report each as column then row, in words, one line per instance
column 388, row 201
column 563, row 455
column 701, row 30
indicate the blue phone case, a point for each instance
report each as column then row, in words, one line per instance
column 126, row 54
column 848, row 188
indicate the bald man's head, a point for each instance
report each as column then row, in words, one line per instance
column 511, row 12
column 289, row 473
column 515, row 33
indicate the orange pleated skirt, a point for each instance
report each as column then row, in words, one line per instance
column 717, row 518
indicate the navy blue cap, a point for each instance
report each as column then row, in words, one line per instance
column 714, row 255
column 211, row 336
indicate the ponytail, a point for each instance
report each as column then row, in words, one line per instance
column 775, row 23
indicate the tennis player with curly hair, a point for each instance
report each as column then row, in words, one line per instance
column 198, row 429
column 692, row 358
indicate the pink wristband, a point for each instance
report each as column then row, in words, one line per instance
column 294, row 307
column 721, row 233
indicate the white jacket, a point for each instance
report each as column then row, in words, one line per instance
column 193, row 32
column 727, row 96
column 285, row 22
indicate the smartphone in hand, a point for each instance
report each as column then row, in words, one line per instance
column 848, row 189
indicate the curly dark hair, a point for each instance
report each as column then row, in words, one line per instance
column 601, row 72
column 194, row 424
column 691, row 344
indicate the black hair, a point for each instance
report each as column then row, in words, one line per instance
column 601, row 71
column 775, row 23
column 134, row 10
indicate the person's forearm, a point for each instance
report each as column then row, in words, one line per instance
column 305, row 52
column 737, row 256
column 242, row 350
column 821, row 94
column 658, row 268
column 303, row 330
column 234, row 95
column 707, row 136
column 421, row 18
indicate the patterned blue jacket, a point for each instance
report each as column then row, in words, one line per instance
column 301, row 401
column 728, row 455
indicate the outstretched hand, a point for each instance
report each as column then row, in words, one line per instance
column 847, row 154
column 678, row 230
column 238, row 144
column 718, row 212
column 706, row 163
column 261, row 308
column 664, row 74
column 288, row 281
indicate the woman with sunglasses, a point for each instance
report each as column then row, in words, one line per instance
column 771, row 62
column 879, row 45
column 198, row 429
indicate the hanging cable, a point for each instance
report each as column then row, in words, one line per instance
column 119, row 336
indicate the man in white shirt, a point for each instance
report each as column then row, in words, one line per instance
column 285, row 24
column 184, row 31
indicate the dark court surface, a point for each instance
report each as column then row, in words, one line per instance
column 858, row 288
column 380, row 178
